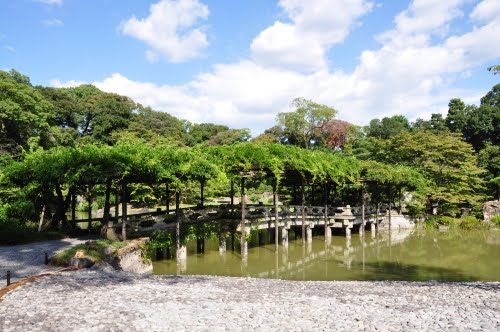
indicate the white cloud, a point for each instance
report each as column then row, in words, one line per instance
column 414, row 78
column 53, row 22
column 171, row 29
column 51, row 2
column 486, row 10
column 56, row 83
column 9, row 48
column 316, row 25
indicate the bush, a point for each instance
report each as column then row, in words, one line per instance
column 496, row 220
column 469, row 222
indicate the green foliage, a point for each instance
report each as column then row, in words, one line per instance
column 303, row 126
column 496, row 220
column 161, row 240
column 388, row 127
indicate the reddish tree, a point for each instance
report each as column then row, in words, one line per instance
column 336, row 132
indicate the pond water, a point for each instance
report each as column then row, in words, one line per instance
column 417, row 254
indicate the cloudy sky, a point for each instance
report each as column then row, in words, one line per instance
column 240, row 62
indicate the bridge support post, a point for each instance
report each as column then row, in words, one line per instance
column 222, row 243
column 309, row 234
column 328, row 234
column 347, row 232
column 373, row 229
column 284, row 237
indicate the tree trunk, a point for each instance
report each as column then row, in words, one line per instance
column 177, row 221
column 325, row 213
column 303, row 215
column 276, row 215
column 167, row 189
column 242, row 226
column 107, row 208
column 41, row 219
column 124, row 212
column 202, row 194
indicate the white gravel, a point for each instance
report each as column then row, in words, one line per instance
column 26, row 260
column 92, row 300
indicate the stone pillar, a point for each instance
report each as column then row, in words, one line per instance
column 244, row 249
column 181, row 253
column 309, row 234
column 222, row 243
column 347, row 231
column 328, row 234
column 373, row 229
column 181, row 259
column 284, row 236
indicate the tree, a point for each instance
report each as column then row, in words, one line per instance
column 445, row 159
column 436, row 124
column 198, row 133
column 494, row 69
column 24, row 114
column 388, row 127
column 456, row 118
column 304, row 125
column 489, row 159
column 230, row 136
column 337, row 133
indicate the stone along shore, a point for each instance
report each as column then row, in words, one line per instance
column 93, row 300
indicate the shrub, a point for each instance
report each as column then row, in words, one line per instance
column 496, row 220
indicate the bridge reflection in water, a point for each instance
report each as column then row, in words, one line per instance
column 409, row 254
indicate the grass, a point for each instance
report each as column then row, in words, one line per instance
column 94, row 250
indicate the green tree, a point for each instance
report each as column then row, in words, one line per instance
column 304, row 125
column 388, row 127
column 448, row 162
column 456, row 118
column 24, row 114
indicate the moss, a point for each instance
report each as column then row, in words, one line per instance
column 94, row 250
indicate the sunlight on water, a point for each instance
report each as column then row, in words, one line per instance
column 403, row 255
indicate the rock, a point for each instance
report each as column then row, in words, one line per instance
column 81, row 262
column 490, row 209
column 134, row 258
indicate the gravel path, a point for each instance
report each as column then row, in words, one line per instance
column 91, row 300
column 29, row 259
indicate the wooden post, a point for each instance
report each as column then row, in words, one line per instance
column 8, row 278
column 400, row 199
column 202, row 185
column 242, row 225
column 117, row 205
column 362, row 232
column 232, row 193
column 303, row 215
column 390, row 206
column 73, row 207
column 276, row 215
column 328, row 233
column 167, row 191
column 90, row 209
column 124, row 212
column 177, row 221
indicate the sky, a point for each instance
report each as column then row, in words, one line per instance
column 241, row 62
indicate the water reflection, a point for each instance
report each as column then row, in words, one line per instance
column 402, row 255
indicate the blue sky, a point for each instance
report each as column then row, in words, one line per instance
column 241, row 62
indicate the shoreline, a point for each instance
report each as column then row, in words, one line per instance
column 98, row 300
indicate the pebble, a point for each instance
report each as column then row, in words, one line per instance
column 93, row 300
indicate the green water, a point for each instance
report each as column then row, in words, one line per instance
column 408, row 255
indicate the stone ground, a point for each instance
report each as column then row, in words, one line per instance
column 29, row 259
column 93, row 300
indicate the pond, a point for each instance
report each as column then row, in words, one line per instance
column 417, row 254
